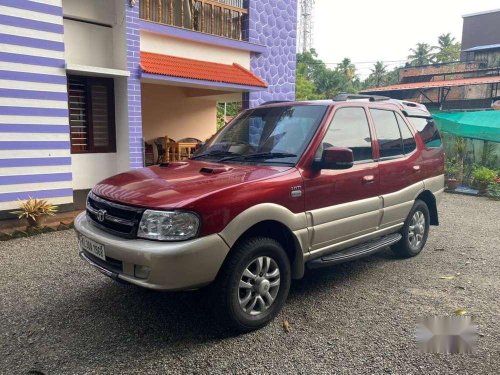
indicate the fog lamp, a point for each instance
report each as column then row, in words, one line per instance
column 141, row 272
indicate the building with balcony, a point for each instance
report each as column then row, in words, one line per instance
column 84, row 83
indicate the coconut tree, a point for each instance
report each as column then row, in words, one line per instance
column 448, row 49
column 379, row 72
column 347, row 68
column 421, row 54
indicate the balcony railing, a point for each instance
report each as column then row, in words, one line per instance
column 216, row 17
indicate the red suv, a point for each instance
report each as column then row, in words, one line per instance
column 284, row 187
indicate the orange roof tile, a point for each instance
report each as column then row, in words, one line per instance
column 155, row 63
column 437, row 84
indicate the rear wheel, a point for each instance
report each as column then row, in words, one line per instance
column 415, row 231
column 253, row 284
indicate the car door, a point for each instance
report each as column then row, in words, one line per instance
column 344, row 204
column 399, row 167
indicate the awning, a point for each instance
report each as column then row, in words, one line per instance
column 482, row 48
column 436, row 84
column 196, row 71
column 484, row 125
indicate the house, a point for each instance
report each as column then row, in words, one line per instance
column 84, row 83
column 471, row 84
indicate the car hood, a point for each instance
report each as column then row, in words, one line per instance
column 178, row 184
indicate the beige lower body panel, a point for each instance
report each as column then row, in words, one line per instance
column 338, row 227
column 351, row 242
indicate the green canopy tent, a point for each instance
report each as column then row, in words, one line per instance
column 484, row 125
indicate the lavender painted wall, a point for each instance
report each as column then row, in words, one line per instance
column 273, row 23
column 34, row 132
column 134, row 86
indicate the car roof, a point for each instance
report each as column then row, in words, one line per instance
column 408, row 108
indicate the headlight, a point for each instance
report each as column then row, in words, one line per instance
column 168, row 225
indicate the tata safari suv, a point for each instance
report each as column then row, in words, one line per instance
column 283, row 188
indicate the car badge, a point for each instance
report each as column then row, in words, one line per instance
column 101, row 215
column 296, row 191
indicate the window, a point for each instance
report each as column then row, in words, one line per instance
column 427, row 130
column 409, row 144
column 260, row 135
column 350, row 129
column 389, row 137
column 91, row 114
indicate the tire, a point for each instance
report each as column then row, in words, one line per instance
column 230, row 298
column 413, row 241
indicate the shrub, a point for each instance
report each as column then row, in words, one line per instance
column 483, row 175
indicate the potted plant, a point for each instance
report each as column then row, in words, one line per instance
column 482, row 177
column 36, row 211
column 451, row 170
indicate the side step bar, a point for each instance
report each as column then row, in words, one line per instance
column 356, row 252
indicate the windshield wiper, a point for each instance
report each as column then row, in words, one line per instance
column 260, row 156
column 215, row 154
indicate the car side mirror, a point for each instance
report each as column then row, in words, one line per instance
column 336, row 158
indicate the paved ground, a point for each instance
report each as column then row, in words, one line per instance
column 59, row 316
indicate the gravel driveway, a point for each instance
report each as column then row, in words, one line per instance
column 60, row 316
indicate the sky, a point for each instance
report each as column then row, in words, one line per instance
column 367, row 31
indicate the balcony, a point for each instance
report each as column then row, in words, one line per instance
column 215, row 17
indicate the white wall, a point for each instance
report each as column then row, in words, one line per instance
column 89, row 169
column 167, row 111
column 87, row 44
column 102, row 47
column 156, row 43
column 91, row 10
column 95, row 45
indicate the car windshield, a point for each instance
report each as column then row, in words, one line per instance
column 272, row 135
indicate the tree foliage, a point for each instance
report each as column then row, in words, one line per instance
column 315, row 80
column 421, row 55
column 448, row 49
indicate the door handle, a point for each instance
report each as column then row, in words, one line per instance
column 416, row 168
column 370, row 179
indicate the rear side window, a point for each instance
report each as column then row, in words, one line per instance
column 388, row 135
column 350, row 129
column 427, row 130
column 409, row 143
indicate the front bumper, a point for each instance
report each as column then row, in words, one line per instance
column 174, row 265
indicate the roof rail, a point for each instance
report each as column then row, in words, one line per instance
column 343, row 97
column 275, row 102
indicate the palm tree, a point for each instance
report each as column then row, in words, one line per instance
column 421, row 54
column 347, row 68
column 378, row 73
column 448, row 49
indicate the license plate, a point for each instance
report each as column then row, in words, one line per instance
column 92, row 247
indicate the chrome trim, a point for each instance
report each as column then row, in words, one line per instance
column 109, row 217
column 115, row 205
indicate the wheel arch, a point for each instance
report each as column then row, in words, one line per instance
column 286, row 238
column 430, row 200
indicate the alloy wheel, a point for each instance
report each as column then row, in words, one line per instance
column 416, row 230
column 259, row 285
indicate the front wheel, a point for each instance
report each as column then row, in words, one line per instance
column 253, row 284
column 415, row 231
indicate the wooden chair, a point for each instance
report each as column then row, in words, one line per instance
column 171, row 151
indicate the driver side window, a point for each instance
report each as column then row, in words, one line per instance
column 349, row 128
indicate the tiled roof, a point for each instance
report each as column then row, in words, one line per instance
column 165, row 65
column 437, row 84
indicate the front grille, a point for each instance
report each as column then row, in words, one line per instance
column 113, row 217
